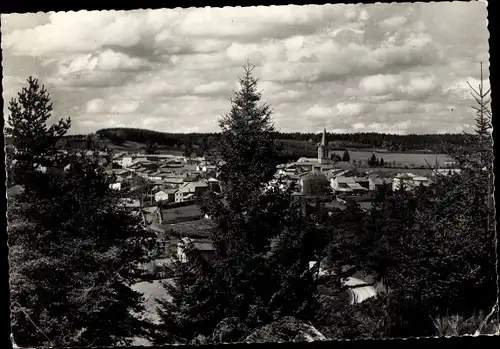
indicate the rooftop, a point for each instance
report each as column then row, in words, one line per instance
column 181, row 213
column 200, row 228
column 347, row 180
column 168, row 191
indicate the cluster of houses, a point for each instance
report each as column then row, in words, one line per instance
column 163, row 190
column 169, row 178
column 319, row 178
column 171, row 184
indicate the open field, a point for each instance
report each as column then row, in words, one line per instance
column 399, row 159
column 391, row 172
column 360, row 156
column 129, row 146
column 294, row 149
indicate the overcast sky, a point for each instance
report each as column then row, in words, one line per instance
column 392, row 68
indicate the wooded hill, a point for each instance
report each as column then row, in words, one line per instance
column 295, row 144
column 391, row 142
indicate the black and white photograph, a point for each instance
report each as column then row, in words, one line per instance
column 291, row 173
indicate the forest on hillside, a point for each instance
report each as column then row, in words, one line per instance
column 391, row 142
column 295, row 145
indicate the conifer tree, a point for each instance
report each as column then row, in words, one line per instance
column 260, row 271
column 434, row 247
column 35, row 143
column 73, row 254
column 346, row 157
column 483, row 120
column 150, row 148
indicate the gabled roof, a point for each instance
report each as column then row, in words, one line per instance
column 313, row 175
column 119, row 171
column 150, row 209
column 342, row 179
column 173, row 180
column 377, row 180
column 356, row 186
column 168, row 191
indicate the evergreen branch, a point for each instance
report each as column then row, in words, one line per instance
column 29, row 318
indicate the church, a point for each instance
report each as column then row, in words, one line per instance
column 324, row 154
column 323, row 162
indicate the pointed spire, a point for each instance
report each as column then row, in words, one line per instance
column 323, row 139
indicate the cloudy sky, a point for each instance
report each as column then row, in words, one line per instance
column 394, row 68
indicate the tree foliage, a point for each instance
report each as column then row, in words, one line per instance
column 35, row 143
column 151, row 148
column 73, row 254
column 346, row 156
column 298, row 143
column 432, row 248
column 260, row 271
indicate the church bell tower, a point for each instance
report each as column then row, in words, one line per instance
column 323, row 151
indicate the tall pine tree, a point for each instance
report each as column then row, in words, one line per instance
column 260, row 271
column 73, row 254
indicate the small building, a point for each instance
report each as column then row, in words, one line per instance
column 362, row 181
column 315, row 183
column 120, row 174
column 204, row 246
column 360, row 293
column 447, row 171
column 213, row 184
column 116, row 186
column 409, row 181
column 166, row 195
column 338, row 172
column 126, row 161
column 194, row 188
column 343, row 184
column 149, row 213
column 129, row 204
column 376, row 182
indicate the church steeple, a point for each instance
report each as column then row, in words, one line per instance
column 324, row 143
column 323, row 151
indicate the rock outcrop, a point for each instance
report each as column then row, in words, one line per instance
column 287, row 329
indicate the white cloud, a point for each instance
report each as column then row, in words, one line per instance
column 396, row 107
column 213, row 87
column 346, row 67
column 380, row 84
column 96, row 106
column 319, row 111
column 125, row 107
column 349, row 109
column 394, row 21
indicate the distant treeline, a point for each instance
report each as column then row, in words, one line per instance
column 391, row 142
column 295, row 144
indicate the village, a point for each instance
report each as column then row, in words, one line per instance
column 162, row 189
column 249, row 174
